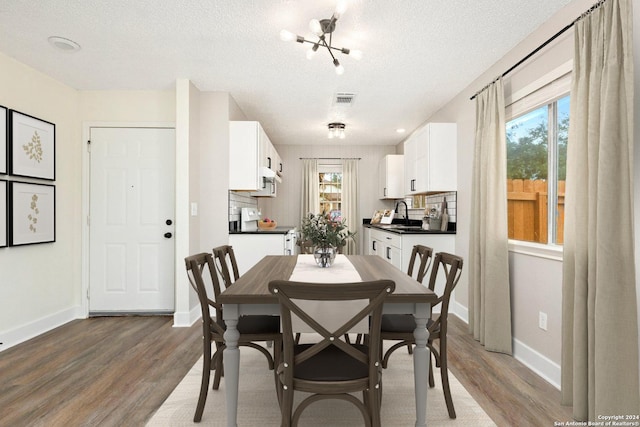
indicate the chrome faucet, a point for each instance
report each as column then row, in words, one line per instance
column 406, row 211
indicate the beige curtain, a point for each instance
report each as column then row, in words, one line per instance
column 599, row 313
column 310, row 200
column 489, row 293
column 350, row 201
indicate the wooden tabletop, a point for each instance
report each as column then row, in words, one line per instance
column 252, row 287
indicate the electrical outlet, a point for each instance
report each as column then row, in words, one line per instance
column 542, row 320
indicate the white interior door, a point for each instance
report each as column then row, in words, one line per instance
column 131, row 214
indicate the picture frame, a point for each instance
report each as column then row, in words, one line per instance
column 32, row 213
column 32, row 146
column 4, row 131
column 3, row 213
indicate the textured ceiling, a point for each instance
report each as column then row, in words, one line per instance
column 418, row 54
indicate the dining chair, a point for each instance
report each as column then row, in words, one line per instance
column 418, row 253
column 331, row 368
column 401, row 327
column 226, row 258
column 202, row 274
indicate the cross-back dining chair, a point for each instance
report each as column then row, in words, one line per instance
column 331, row 368
column 226, row 264
column 422, row 254
column 202, row 274
column 401, row 327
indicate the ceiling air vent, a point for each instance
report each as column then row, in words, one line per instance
column 344, row 99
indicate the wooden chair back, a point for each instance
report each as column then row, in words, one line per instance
column 423, row 254
column 225, row 261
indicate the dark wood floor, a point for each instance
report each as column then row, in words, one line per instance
column 116, row 371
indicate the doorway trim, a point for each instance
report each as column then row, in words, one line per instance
column 86, row 173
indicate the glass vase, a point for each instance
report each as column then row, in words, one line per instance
column 324, row 256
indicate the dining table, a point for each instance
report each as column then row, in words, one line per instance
column 250, row 295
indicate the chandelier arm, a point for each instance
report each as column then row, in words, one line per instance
column 324, row 43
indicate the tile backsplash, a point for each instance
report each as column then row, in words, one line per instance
column 239, row 200
column 418, row 204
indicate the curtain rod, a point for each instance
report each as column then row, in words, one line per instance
column 542, row 46
column 330, row 158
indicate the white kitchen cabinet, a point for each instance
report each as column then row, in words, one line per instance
column 396, row 248
column 251, row 153
column 388, row 246
column 391, row 175
column 430, row 159
column 249, row 248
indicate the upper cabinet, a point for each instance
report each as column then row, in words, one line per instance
column 254, row 163
column 430, row 159
column 391, row 175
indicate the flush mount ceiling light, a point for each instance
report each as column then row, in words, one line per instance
column 64, row 44
column 336, row 130
column 322, row 28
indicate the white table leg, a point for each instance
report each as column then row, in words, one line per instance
column 421, row 362
column 231, row 362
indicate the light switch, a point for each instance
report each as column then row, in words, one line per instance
column 194, row 209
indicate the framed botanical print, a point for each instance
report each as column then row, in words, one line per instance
column 32, row 146
column 3, row 140
column 3, row 213
column 32, row 213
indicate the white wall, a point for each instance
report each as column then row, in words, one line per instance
column 536, row 282
column 285, row 208
column 40, row 284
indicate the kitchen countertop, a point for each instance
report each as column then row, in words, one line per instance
column 403, row 229
column 284, row 229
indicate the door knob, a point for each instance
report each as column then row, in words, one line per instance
column 167, row 235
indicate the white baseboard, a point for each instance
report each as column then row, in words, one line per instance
column 538, row 363
column 532, row 359
column 184, row 319
column 37, row 327
column 459, row 310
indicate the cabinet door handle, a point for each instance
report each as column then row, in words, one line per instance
column 388, row 253
column 374, row 245
column 413, row 185
column 385, row 192
column 269, row 160
column 280, row 167
column 273, row 188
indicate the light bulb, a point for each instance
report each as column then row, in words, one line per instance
column 287, row 36
column 357, row 54
column 341, row 8
column 342, row 135
column 314, row 25
column 339, row 70
column 331, row 134
column 310, row 54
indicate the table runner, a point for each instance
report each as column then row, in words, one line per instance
column 332, row 314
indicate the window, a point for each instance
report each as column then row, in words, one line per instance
column 330, row 181
column 536, row 170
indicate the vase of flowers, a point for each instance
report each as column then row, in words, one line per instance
column 326, row 236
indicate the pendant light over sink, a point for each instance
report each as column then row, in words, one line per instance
column 321, row 28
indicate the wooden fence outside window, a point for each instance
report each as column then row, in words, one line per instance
column 527, row 210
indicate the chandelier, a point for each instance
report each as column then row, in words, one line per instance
column 322, row 28
column 336, row 130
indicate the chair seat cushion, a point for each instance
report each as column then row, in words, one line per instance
column 259, row 324
column 331, row 364
column 400, row 323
